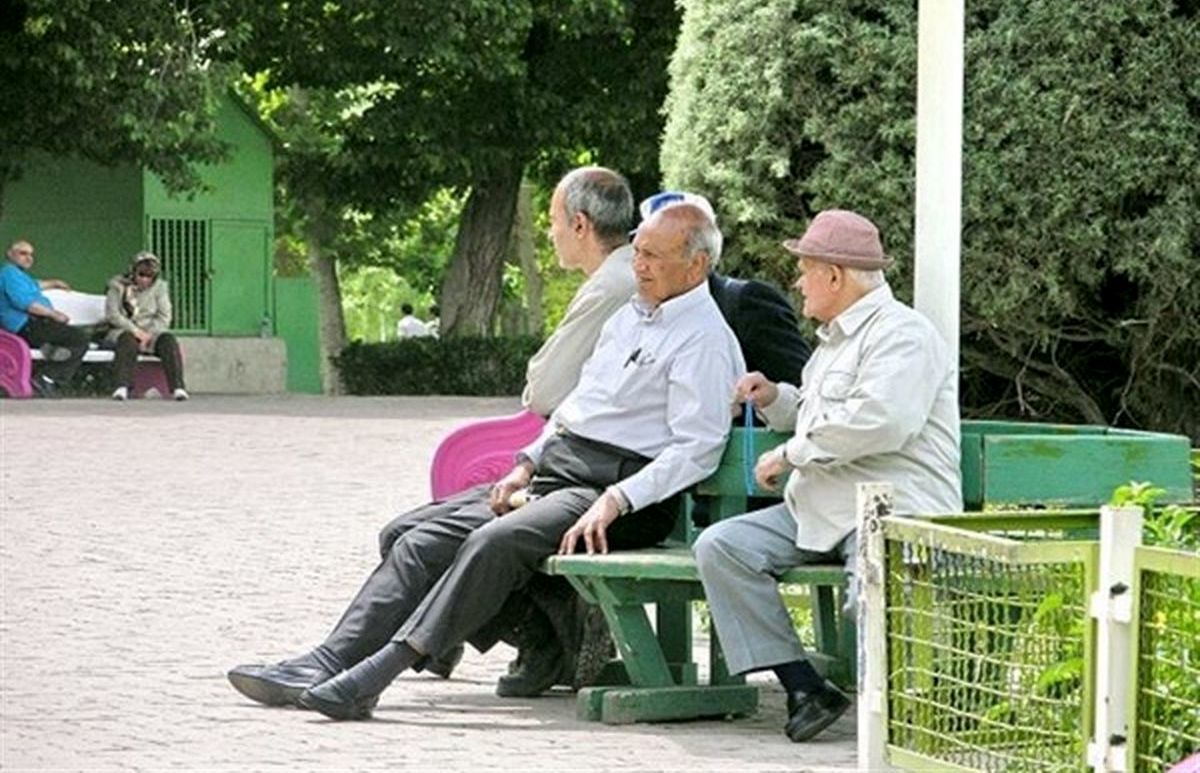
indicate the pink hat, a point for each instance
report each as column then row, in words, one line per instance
column 843, row 238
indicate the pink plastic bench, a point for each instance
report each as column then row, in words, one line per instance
column 480, row 452
column 16, row 368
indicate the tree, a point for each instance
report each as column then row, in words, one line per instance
column 561, row 77
column 110, row 82
column 404, row 101
column 1080, row 202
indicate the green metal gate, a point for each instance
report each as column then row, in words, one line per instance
column 185, row 248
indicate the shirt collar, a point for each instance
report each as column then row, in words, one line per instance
column 672, row 308
column 850, row 320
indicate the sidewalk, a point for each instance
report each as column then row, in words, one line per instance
column 147, row 547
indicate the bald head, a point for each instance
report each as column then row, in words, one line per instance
column 671, row 252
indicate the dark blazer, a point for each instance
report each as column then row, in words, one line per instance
column 765, row 324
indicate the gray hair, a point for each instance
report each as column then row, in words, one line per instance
column 604, row 197
column 705, row 237
column 702, row 232
column 867, row 279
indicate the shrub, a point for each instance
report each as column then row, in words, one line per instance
column 437, row 366
column 1081, row 156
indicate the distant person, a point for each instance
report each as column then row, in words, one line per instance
column 138, row 309
column 27, row 312
column 409, row 326
column 434, row 325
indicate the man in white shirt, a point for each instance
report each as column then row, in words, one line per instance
column 409, row 326
column 878, row 402
column 649, row 417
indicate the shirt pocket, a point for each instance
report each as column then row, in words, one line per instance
column 836, row 385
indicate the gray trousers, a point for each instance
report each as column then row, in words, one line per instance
column 452, row 565
column 739, row 560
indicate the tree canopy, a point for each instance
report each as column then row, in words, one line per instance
column 110, row 82
column 1081, row 155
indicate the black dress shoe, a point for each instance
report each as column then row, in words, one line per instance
column 443, row 665
column 810, row 713
column 44, row 387
column 277, row 685
column 540, row 669
column 338, row 698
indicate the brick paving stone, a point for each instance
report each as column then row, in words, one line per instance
column 146, row 547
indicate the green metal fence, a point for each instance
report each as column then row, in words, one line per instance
column 989, row 646
column 1166, row 698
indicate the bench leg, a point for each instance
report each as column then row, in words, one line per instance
column 674, row 620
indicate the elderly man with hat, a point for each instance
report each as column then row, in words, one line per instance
column 877, row 402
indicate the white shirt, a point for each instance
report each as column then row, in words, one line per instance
column 659, row 384
column 554, row 371
column 411, row 327
column 878, row 402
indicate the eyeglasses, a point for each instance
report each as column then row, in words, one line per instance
column 147, row 274
column 23, row 252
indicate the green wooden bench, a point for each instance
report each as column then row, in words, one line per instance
column 1002, row 463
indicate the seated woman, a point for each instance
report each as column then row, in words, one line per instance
column 138, row 308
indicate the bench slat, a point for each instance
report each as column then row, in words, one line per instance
column 671, row 563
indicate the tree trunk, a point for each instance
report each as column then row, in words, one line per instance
column 526, row 257
column 318, row 227
column 471, row 290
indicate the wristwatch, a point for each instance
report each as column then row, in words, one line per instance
column 618, row 496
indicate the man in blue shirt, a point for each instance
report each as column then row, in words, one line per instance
column 27, row 312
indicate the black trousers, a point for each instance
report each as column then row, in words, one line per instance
column 44, row 330
column 166, row 348
column 452, row 565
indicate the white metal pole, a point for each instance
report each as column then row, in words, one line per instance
column 874, row 502
column 937, row 242
column 1112, row 606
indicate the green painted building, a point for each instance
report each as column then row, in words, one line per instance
column 87, row 221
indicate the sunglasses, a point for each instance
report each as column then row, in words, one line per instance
column 147, row 274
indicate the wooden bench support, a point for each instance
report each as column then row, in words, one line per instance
column 660, row 677
column 623, row 705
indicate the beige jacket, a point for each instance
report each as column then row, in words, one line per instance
column 554, row 370
column 151, row 307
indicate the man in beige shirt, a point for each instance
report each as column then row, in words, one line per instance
column 590, row 216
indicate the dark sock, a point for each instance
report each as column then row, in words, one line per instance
column 799, row 675
column 374, row 674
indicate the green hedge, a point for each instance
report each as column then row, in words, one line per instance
column 437, row 366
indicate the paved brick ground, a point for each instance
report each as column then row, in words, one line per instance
column 149, row 546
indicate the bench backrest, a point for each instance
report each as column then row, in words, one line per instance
column 81, row 308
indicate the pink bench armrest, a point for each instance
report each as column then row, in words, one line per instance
column 15, row 365
column 480, row 452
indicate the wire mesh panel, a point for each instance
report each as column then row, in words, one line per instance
column 183, row 245
column 989, row 648
column 1168, row 658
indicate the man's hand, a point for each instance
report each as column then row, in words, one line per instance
column 770, row 469
column 59, row 316
column 54, row 284
column 517, row 479
column 593, row 527
column 757, row 389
